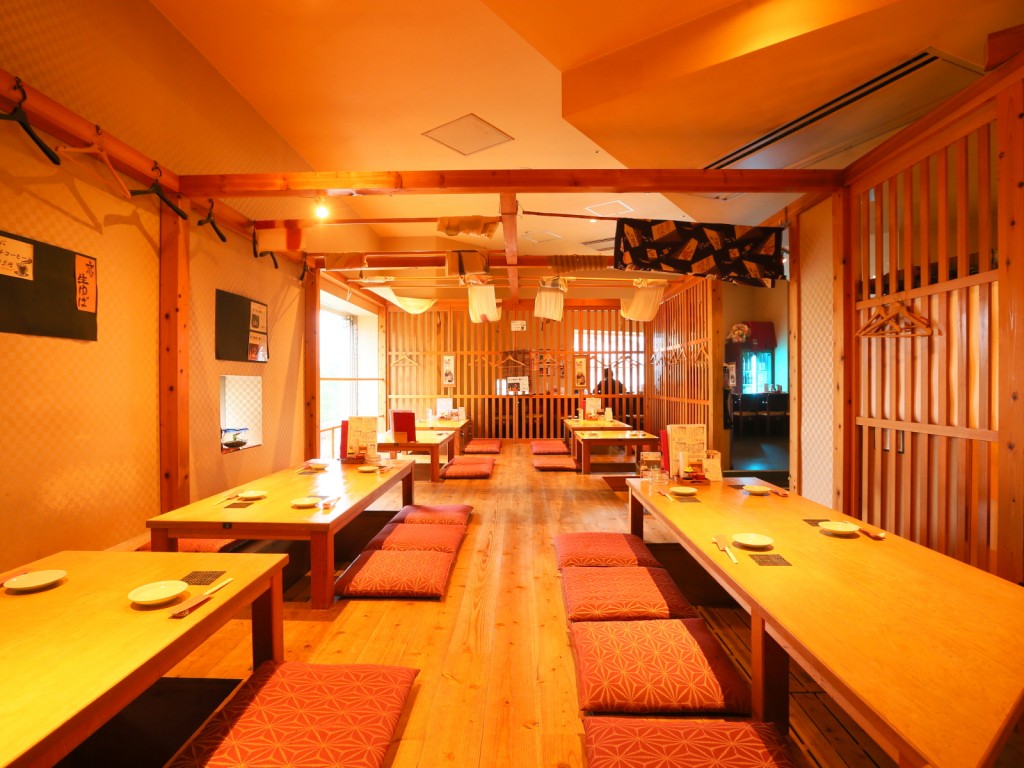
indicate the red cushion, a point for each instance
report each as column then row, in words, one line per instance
column 631, row 742
column 199, row 545
column 483, row 445
column 554, row 463
column 605, row 594
column 547, row 447
column 654, row 665
column 428, row 538
column 602, row 549
column 313, row 715
column 439, row 514
column 396, row 573
column 469, row 467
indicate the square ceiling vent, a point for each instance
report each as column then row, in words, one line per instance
column 468, row 134
column 612, row 208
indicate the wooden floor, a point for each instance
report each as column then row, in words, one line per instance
column 496, row 684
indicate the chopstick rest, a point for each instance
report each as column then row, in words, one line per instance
column 190, row 605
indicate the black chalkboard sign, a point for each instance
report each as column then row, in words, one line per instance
column 241, row 329
column 46, row 290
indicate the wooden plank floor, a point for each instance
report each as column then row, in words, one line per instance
column 496, row 685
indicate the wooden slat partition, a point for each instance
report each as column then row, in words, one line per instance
column 923, row 404
column 487, row 353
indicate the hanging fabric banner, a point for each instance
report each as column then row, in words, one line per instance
column 730, row 252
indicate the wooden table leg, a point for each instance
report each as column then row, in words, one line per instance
column 160, row 540
column 268, row 624
column 435, row 463
column 585, row 448
column 321, row 569
column 407, row 489
column 636, row 516
column 769, row 670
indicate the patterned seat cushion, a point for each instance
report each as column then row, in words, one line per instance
column 631, row 742
column 473, row 459
column 423, row 537
column 654, row 665
column 477, row 467
column 483, row 445
column 621, row 593
column 554, row 463
column 548, row 447
column 313, row 715
column 396, row 573
column 437, row 514
column 602, row 549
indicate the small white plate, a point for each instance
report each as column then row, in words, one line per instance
column 682, row 490
column 752, row 540
column 157, row 592
column 318, row 463
column 369, row 468
column 840, row 527
column 35, row 580
column 306, row 501
column 757, row 490
column 252, row 495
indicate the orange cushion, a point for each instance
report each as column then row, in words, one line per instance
column 440, row 514
column 554, row 463
column 631, row 742
column 199, row 545
column 654, row 665
column 424, row 537
column 477, row 459
column 628, row 592
column 546, row 447
column 314, row 715
column 469, row 469
column 602, row 549
column 483, row 445
column 396, row 573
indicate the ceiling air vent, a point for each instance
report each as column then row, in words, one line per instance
column 604, row 244
column 468, row 134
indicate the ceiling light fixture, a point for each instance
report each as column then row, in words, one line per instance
column 321, row 211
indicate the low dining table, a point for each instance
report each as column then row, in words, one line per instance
column 462, row 429
column 429, row 441
column 585, row 440
column 922, row 650
column 571, row 424
column 297, row 504
column 78, row 651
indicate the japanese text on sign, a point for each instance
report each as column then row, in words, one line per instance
column 85, row 283
column 16, row 258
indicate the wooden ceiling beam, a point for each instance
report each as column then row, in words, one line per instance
column 313, row 184
column 430, row 259
column 510, row 229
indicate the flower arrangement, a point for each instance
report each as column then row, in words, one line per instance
column 740, row 333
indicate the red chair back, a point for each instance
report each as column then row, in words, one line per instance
column 404, row 422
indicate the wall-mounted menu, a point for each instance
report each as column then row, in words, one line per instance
column 242, row 329
column 46, row 290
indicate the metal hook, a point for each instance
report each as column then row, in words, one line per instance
column 19, row 87
column 157, row 169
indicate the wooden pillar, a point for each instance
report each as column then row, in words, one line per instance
column 844, row 469
column 719, row 436
column 175, row 304
column 793, row 309
column 311, row 365
column 1008, row 522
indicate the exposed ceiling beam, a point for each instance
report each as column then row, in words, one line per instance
column 381, row 260
column 311, row 184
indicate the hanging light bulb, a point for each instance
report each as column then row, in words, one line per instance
column 321, row 211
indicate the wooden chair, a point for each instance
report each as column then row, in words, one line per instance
column 777, row 413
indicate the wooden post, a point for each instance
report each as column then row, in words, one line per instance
column 844, row 469
column 1008, row 521
column 311, row 365
column 175, row 304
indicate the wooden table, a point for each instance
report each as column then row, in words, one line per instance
column 275, row 518
column 461, row 427
column 77, row 653
column 585, row 440
column 429, row 441
column 570, row 425
column 923, row 651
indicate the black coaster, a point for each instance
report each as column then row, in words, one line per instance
column 737, row 487
column 815, row 520
column 770, row 560
column 238, row 505
column 202, row 577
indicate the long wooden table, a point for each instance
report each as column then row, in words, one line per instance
column 923, row 651
column 274, row 517
column 75, row 654
column 586, row 440
column 571, row 424
column 463, row 429
column 427, row 440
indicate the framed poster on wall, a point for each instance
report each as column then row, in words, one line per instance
column 241, row 329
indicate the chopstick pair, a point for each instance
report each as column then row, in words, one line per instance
column 190, row 605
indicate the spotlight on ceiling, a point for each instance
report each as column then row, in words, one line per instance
column 321, row 211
